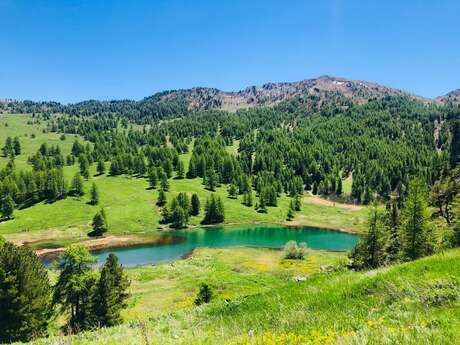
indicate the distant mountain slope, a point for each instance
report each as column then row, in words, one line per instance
column 173, row 103
column 451, row 97
column 274, row 93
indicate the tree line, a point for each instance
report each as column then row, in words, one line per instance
column 90, row 298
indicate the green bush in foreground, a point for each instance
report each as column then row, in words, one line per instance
column 293, row 251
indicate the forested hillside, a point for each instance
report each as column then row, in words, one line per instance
column 325, row 153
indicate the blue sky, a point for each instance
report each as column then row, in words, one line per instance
column 107, row 49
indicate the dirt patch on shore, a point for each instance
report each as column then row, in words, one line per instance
column 316, row 200
column 94, row 244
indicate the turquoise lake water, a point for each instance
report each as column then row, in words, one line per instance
column 175, row 244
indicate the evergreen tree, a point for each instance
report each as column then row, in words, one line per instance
column 94, row 194
column 168, row 168
column 214, row 210
column 7, row 207
column 416, row 232
column 84, row 166
column 195, row 207
column 232, row 191
column 16, row 146
column 75, row 286
column 153, row 177
column 210, row 180
column 25, row 294
column 164, row 183
column 247, row 199
column 184, row 201
column 392, row 225
column 455, row 144
column 178, row 216
column 76, row 186
column 161, row 198
column 204, row 295
column 101, row 167
column 180, row 170
column 262, row 205
column 339, row 187
column 8, row 149
column 297, row 203
column 314, row 188
column 291, row 211
column 99, row 224
column 115, row 167
column 370, row 252
column 110, row 293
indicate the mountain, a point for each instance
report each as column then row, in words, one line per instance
column 451, row 97
column 172, row 103
column 273, row 93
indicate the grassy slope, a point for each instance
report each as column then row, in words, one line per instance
column 16, row 125
column 130, row 206
column 413, row 303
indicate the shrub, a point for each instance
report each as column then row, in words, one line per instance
column 204, row 295
column 293, row 251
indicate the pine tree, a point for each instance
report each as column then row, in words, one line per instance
column 262, row 206
column 25, row 295
column 232, row 191
column 161, row 198
column 99, row 224
column 370, row 252
column 75, row 287
column 115, row 167
column 180, row 170
column 16, row 146
column 393, row 227
column 191, row 173
column 164, row 183
column 7, row 207
column 84, row 166
column 339, row 187
column 214, row 210
column 153, row 177
column 178, row 216
column 297, row 203
column 168, row 168
column 101, row 167
column 291, row 211
column 195, row 207
column 210, row 180
column 94, row 194
column 247, row 199
column 416, row 231
column 76, row 186
column 315, row 188
column 110, row 293
column 455, row 144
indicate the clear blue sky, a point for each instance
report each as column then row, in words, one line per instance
column 106, row 49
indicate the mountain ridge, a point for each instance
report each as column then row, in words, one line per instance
column 268, row 94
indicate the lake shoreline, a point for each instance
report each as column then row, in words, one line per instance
column 132, row 241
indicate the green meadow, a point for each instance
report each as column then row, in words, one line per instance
column 258, row 301
column 130, row 204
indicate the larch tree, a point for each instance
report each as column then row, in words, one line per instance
column 110, row 294
column 25, row 294
column 416, row 231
